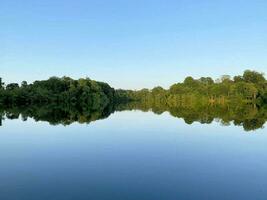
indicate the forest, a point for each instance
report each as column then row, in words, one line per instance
column 251, row 87
column 64, row 91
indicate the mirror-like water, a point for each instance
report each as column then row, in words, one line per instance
column 131, row 155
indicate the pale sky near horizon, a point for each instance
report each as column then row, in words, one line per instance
column 131, row 43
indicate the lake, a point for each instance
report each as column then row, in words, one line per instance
column 131, row 155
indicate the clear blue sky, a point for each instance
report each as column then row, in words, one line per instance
column 131, row 43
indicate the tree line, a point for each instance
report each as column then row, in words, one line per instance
column 84, row 92
column 249, row 87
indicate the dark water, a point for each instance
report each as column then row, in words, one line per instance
column 132, row 155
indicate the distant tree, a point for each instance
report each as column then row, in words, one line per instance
column 238, row 79
column 190, row 82
column 206, row 80
column 24, row 84
column 12, row 86
column 178, row 88
column 225, row 78
column 158, row 90
column 253, row 77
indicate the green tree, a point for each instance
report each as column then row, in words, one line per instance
column 12, row 86
column 253, row 77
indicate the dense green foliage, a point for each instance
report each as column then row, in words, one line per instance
column 80, row 93
column 251, row 87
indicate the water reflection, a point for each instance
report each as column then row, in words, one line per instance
column 250, row 117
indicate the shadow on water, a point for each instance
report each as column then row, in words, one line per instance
column 249, row 116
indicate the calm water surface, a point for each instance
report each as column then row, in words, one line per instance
column 131, row 155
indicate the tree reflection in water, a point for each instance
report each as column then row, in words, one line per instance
column 250, row 116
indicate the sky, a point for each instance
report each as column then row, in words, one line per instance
column 131, row 44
